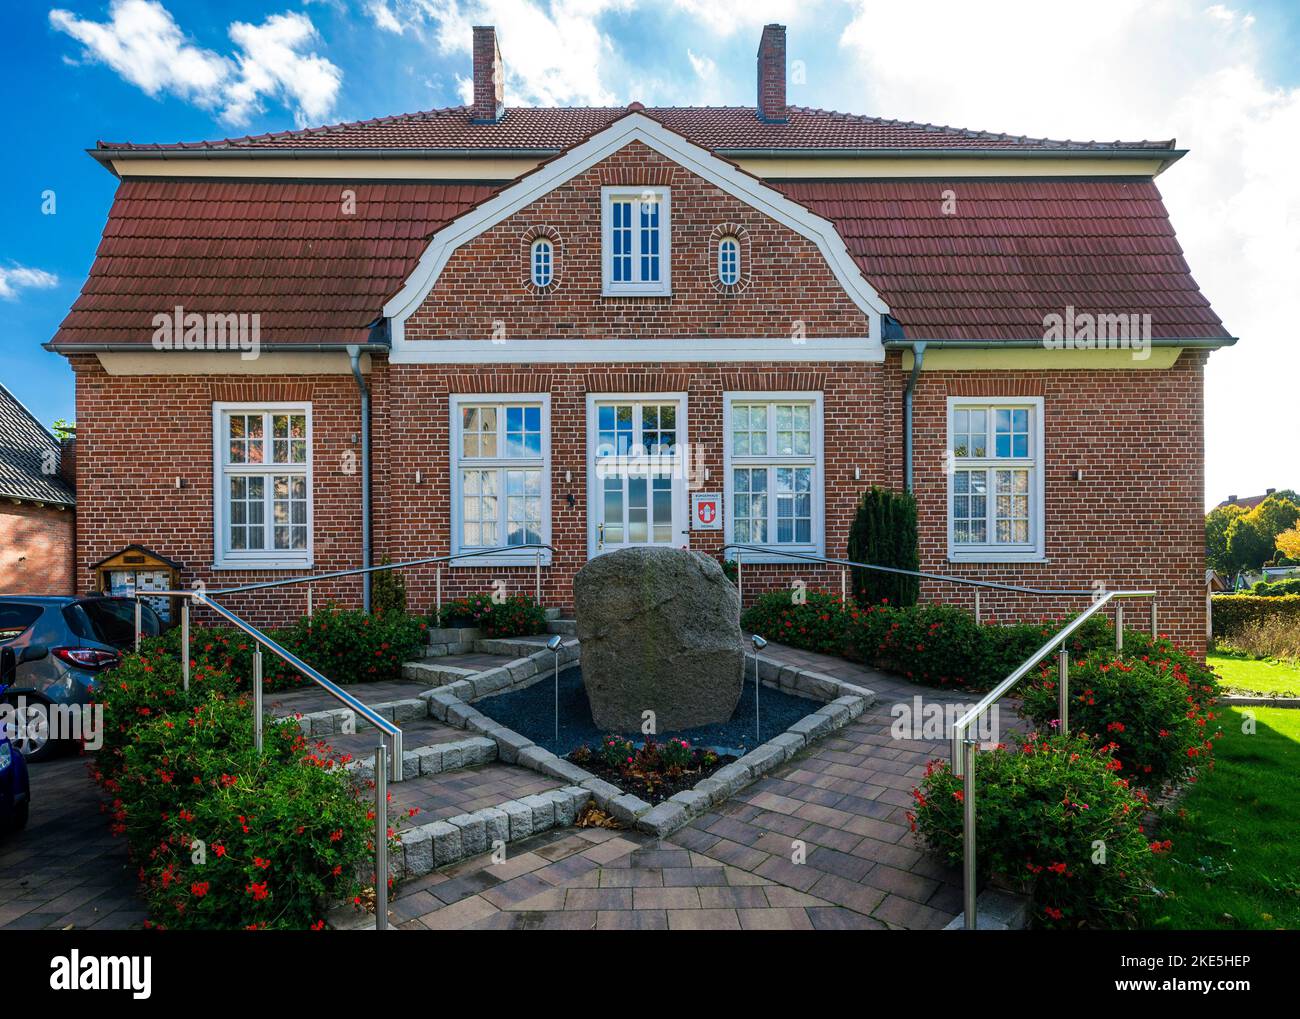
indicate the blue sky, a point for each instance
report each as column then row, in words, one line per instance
column 1222, row 78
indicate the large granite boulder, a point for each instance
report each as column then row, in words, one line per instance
column 660, row 631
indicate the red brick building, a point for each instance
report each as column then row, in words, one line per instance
column 559, row 326
column 37, row 504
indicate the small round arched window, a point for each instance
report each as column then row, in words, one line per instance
column 543, row 262
column 728, row 261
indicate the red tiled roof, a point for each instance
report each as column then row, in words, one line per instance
column 1015, row 251
column 725, row 128
column 282, row 249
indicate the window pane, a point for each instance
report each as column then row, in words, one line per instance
column 523, row 507
column 793, row 504
column 649, row 242
column 621, row 241
column 969, row 507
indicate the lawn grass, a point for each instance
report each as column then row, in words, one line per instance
column 1250, row 675
column 1235, row 862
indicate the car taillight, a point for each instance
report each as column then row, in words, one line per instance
column 86, row 657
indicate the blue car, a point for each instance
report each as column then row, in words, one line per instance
column 15, row 786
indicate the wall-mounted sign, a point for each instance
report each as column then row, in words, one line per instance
column 706, row 511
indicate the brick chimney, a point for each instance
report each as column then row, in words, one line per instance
column 68, row 460
column 489, row 78
column 771, row 75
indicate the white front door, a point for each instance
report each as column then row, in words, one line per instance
column 636, row 494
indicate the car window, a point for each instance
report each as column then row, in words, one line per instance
column 16, row 617
column 112, row 621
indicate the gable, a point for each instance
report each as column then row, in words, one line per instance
column 473, row 270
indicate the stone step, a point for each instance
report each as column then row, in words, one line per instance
column 433, row 672
column 566, row 627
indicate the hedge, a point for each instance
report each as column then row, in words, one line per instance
column 935, row 644
column 1276, row 588
column 225, row 837
column 1231, row 612
column 515, row 616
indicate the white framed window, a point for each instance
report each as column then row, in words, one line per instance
column 636, row 240
column 995, row 480
column 774, row 485
column 542, row 262
column 262, row 485
column 500, row 476
column 729, row 261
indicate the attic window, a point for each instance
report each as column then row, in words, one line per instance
column 637, row 241
column 542, row 262
column 728, row 261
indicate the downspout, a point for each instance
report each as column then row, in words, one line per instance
column 918, row 356
column 354, row 356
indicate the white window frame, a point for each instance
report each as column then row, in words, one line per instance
column 225, row 558
column 734, row 242
column 550, row 262
column 816, row 460
column 992, row 551
column 459, row 462
column 663, row 286
column 681, row 490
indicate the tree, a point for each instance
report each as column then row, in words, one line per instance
column 1216, row 537
column 883, row 533
column 1288, row 543
column 1248, row 546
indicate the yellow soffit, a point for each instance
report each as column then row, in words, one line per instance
column 952, row 359
column 494, row 168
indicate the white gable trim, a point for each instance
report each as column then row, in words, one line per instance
column 635, row 127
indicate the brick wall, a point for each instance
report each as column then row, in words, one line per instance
column 36, row 549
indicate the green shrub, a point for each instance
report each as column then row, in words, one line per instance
column 1232, row 612
column 347, row 645
column 1276, row 588
column 515, row 616
column 223, row 836
column 387, row 590
column 883, row 533
column 935, row 644
column 230, row 651
column 1153, row 707
column 1052, row 817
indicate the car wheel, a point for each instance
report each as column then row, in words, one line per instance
column 32, row 735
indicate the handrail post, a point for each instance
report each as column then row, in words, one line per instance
column 844, row 587
column 1063, row 694
column 257, row 696
column 1119, row 626
column 1155, row 629
column 740, row 579
column 437, row 588
column 185, row 643
column 968, row 834
column 397, row 756
column 138, row 623
column 381, row 837
column 310, row 611
column 977, row 606
column 538, row 581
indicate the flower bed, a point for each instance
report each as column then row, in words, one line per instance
column 1053, row 819
column 515, row 616
column 225, row 837
column 935, row 644
column 654, row 771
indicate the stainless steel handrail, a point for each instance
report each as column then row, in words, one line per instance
column 964, row 748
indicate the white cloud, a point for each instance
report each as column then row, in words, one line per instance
column 142, row 42
column 14, row 278
column 728, row 17
column 1133, row 69
column 554, row 54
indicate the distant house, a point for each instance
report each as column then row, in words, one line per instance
column 37, row 519
column 1249, row 502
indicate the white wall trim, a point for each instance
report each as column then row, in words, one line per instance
column 455, row 402
column 818, row 544
column 990, row 553
column 634, row 127
column 611, row 351
column 268, row 559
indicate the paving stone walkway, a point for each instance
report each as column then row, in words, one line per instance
column 821, row 843
column 65, row 870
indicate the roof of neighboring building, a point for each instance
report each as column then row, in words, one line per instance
column 25, row 450
column 1250, row 501
column 1018, row 250
column 720, row 128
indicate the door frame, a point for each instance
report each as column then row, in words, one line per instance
column 681, row 492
